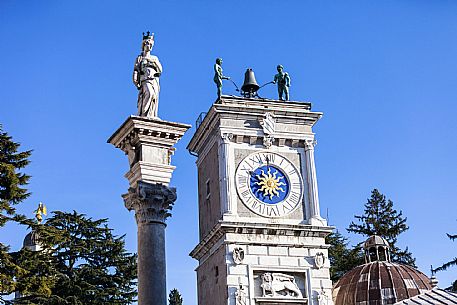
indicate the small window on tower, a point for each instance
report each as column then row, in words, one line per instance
column 208, row 189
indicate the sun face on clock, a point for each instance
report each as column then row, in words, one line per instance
column 269, row 184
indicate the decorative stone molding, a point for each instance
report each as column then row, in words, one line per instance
column 322, row 297
column 319, row 260
column 241, row 110
column 268, row 123
column 240, row 295
column 227, row 137
column 238, row 255
column 310, row 143
column 264, row 231
column 142, row 130
column 268, row 141
column 151, row 202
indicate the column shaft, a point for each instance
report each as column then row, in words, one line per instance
column 313, row 195
column 152, row 280
column 224, row 173
column 152, row 204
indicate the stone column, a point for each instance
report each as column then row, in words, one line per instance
column 311, row 180
column 151, row 203
column 149, row 144
column 224, row 172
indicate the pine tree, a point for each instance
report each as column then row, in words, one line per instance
column 342, row 258
column 12, row 192
column 12, row 182
column 89, row 265
column 451, row 263
column 174, row 298
column 380, row 218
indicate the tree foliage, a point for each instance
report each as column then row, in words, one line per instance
column 174, row 298
column 447, row 265
column 12, row 181
column 12, row 192
column 342, row 257
column 380, row 218
column 82, row 263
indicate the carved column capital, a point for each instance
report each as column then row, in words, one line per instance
column 152, row 202
column 310, row 143
column 226, row 137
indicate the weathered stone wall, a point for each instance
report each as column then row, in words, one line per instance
column 209, row 205
column 285, row 254
column 212, row 279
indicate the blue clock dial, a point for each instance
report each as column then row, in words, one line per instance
column 269, row 184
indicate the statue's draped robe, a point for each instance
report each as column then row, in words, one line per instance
column 148, row 70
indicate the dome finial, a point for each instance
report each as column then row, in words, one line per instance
column 40, row 211
column 376, row 249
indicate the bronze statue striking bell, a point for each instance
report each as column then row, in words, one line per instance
column 250, row 86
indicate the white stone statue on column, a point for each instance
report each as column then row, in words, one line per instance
column 146, row 73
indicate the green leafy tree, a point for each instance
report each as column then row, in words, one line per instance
column 35, row 275
column 380, row 218
column 174, row 298
column 342, row 257
column 12, row 192
column 88, row 265
column 451, row 263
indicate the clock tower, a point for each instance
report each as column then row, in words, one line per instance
column 262, row 239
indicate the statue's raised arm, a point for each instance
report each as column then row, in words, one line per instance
column 146, row 73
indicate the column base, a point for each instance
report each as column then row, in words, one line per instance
column 317, row 221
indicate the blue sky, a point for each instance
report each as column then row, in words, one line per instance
column 383, row 73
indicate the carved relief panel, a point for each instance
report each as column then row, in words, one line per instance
column 271, row 287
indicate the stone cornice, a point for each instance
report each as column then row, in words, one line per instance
column 226, row 227
column 147, row 130
column 237, row 108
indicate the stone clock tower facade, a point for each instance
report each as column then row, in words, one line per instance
column 261, row 233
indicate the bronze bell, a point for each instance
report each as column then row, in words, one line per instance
column 250, row 86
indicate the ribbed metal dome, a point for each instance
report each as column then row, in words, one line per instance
column 30, row 240
column 379, row 283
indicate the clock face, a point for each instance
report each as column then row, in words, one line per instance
column 269, row 184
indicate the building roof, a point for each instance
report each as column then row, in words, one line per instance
column 30, row 240
column 374, row 241
column 380, row 282
column 433, row 297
